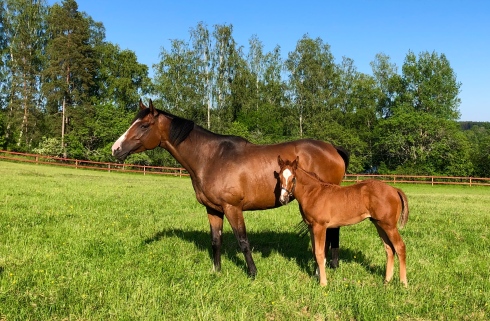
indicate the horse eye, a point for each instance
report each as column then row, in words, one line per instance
column 145, row 126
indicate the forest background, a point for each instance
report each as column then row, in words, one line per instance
column 67, row 91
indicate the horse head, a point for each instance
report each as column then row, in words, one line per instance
column 287, row 178
column 143, row 134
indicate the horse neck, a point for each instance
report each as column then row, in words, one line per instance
column 190, row 152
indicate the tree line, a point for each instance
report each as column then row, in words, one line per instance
column 67, row 91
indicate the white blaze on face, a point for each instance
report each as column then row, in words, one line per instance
column 121, row 139
column 286, row 174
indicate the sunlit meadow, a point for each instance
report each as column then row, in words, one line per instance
column 92, row 245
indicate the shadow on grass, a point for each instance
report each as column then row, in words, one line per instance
column 288, row 244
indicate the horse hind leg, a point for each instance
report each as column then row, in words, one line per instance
column 393, row 244
column 235, row 217
column 390, row 252
column 400, row 249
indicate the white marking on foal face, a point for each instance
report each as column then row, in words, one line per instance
column 286, row 174
column 121, row 139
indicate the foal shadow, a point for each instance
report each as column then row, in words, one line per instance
column 288, row 244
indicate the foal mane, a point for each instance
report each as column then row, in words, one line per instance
column 316, row 177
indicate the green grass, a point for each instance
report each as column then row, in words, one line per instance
column 88, row 245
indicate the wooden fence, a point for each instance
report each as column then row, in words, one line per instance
column 76, row 163
column 115, row 167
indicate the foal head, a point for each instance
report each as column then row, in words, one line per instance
column 287, row 178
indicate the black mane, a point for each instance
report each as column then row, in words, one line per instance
column 180, row 127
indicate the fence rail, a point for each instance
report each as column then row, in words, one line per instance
column 76, row 163
column 414, row 179
column 178, row 171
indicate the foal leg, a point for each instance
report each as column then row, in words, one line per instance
column 390, row 251
column 216, row 226
column 235, row 217
column 400, row 250
column 393, row 244
column 318, row 245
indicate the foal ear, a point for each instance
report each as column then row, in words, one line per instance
column 280, row 161
column 153, row 110
column 142, row 106
column 295, row 163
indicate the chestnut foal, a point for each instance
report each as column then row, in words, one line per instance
column 325, row 205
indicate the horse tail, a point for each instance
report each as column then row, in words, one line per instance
column 344, row 154
column 404, row 215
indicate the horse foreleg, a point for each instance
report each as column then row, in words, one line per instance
column 318, row 244
column 216, row 226
column 235, row 217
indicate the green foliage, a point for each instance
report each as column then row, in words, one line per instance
column 430, row 85
column 62, row 80
column 49, row 147
column 419, row 143
column 121, row 79
column 139, row 159
column 479, row 140
column 93, row 245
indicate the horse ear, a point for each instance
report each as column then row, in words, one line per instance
column 280, row 161
column 295, row 162
column 142, row 106
column 153, row 109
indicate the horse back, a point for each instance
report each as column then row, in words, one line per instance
column 244, row 174
column 386, row 200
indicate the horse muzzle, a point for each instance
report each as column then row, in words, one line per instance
column 119, row 154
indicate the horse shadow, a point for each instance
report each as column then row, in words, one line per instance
column 290, row 245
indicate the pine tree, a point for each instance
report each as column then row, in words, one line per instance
column 69, row 76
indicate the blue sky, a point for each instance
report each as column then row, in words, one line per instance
column 355, row 29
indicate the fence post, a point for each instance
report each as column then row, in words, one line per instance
column 109, row 167
column 432, row 180
column 470, row 181
column 144, row 170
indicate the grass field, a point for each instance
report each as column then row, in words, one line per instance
column 88, row 245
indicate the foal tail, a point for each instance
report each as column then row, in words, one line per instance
column 404, row 215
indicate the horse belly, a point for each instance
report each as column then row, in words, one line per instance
column 348, row 209
column 338, row 221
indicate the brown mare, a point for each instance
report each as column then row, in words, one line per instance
column 228, row 173
column 325, row 205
